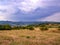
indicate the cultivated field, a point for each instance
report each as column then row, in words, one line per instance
column 30, row 37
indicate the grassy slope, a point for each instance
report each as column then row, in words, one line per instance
column 27, row 37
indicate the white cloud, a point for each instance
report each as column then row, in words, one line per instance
column 2, row 18
column 6, row 12
column 54, row 17
column 30, row 5
column 9, row 6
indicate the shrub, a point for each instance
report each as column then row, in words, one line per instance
column 27, row 36
column 43, row 28
column 31, row 28
column 23, row 27
column 5, row 27
column 42, row 25
column 50, row 26
column 58, row 27
column 1, row 27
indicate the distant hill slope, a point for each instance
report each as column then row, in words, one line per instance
column 18, row 23
column 24, row 23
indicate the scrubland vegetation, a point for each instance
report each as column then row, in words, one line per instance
column 35, row 34
column 30, row 27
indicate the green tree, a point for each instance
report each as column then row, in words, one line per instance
column 7, row 27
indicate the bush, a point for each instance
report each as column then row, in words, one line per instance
column 43, row 28
column 58, row 27
column 42, row 25
column 5, row 27
column 30, row 28
column 1, row 27
column 27, row 36
column 50, row 26
column 23, row 27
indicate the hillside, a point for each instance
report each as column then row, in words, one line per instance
column 25, row 23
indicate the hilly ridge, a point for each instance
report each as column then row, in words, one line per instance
column 24, row 23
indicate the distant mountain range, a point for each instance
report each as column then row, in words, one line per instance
column 24, row 23
column 18, row 23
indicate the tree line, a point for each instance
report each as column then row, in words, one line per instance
column 30, row 27
column 9, row 27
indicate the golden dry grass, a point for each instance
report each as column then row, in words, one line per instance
column 28, row 37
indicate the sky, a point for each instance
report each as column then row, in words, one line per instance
column 30, row 10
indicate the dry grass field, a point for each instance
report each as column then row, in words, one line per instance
column 30, row 37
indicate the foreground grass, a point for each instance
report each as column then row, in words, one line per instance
column 27, row 37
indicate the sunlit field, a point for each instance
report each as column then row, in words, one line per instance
column 30, row 37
